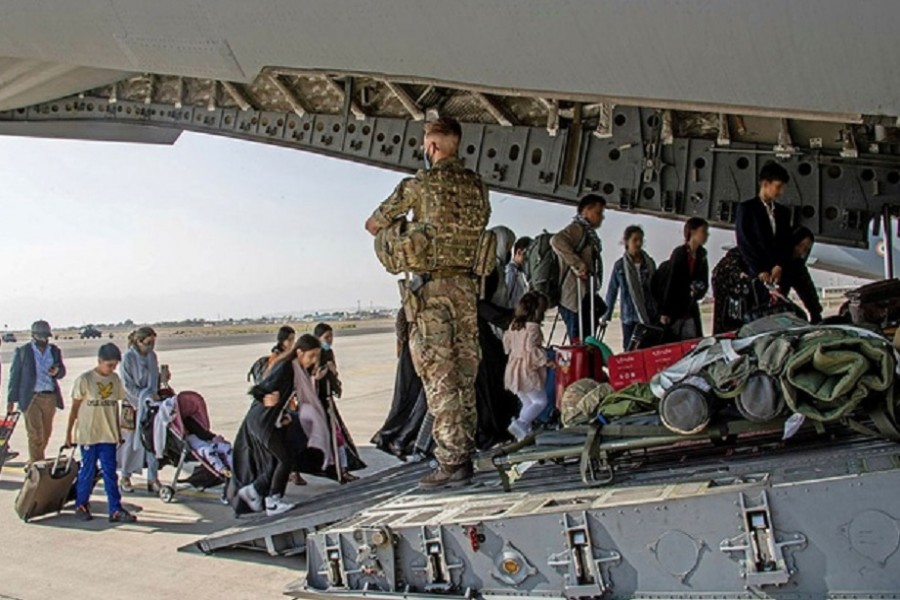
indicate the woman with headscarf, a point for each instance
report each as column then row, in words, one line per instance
column 140, row 376
column 506, row 238
column 630, row 280
column 408, row 407
column 329, row 387
column 263, row 456
column 496, row 406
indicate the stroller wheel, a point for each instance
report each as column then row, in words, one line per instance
column 167, row 493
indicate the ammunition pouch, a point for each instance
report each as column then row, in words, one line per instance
column 406, row 247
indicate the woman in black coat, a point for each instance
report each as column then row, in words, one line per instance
column 408, row 407
column 263, row 456
column 687, row 282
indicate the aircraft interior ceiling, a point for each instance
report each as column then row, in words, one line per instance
column 564, row 103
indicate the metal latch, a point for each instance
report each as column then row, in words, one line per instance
column 438, row 570
column 584, row 563
column 764, row 562
column 333, row 567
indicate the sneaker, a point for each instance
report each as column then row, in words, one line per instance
column 83, row 513
column 251, row 498
column 125, row 485
column 275, row 505
column 122, row 516
column 447, row 477
column 517, row 430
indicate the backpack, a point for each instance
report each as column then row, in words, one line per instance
column 542, row 270
column 660, row 282
column 258, row 369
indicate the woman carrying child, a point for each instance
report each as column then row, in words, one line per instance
column 526, row 371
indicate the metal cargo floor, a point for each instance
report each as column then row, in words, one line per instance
column 286, row 534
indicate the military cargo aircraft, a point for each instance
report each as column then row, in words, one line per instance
column 664, row 108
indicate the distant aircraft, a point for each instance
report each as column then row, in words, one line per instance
column 868, row 263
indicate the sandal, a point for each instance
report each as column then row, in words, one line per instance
column 154, row 486
column 125, row 485
column 297, row 479
column 347, row 477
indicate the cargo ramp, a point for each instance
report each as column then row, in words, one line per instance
column 285, row 535
column 814, row 517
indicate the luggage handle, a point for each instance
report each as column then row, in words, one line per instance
column 59, row 455
column 600, row 331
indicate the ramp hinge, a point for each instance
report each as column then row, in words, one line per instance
column 583, row 561
column 438, row 570
column 764, row 562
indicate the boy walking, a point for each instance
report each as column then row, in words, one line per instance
column 94, row 425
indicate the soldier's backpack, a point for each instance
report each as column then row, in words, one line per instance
column 541, row 267
column 258, row 369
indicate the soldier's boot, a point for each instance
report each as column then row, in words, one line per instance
column 446, row 476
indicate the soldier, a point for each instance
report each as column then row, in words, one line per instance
column 449, row 202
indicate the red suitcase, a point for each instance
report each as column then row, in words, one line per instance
column 7, row 427
column 579, row 361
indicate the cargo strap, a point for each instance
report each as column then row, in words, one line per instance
column 885, row 427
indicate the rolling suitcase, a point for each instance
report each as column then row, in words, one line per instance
column 578, row 361
column 7, row 427
column 47, row 486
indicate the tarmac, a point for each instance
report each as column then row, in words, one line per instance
column 58, row 556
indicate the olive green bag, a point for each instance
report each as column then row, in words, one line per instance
column 405, row 247
column 832, row 372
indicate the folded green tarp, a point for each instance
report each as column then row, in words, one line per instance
column 832, row 371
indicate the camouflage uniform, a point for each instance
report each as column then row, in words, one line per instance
column 444, row 331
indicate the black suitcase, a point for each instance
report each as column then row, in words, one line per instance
column 875, row 303
column 47, row 486
column 7, row 427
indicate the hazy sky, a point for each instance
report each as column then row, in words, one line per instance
column 210, row 227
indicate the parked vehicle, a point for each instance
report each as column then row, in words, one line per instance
column 90, row 332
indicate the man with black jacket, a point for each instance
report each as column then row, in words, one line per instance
column 763, row 227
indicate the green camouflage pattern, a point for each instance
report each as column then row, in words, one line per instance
column 445, row 352
column 453, row 201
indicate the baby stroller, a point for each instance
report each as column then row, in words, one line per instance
column 166, row 417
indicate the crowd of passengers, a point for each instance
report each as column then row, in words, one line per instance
column 293, row 426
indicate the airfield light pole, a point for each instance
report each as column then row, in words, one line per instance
column 888, row 237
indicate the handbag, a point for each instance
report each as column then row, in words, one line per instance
column 128, row 417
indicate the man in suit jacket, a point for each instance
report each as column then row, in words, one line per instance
column 578, row 248
column 34, row 386
column 763, row 227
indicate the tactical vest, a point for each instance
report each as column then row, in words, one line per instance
column 454, row 205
